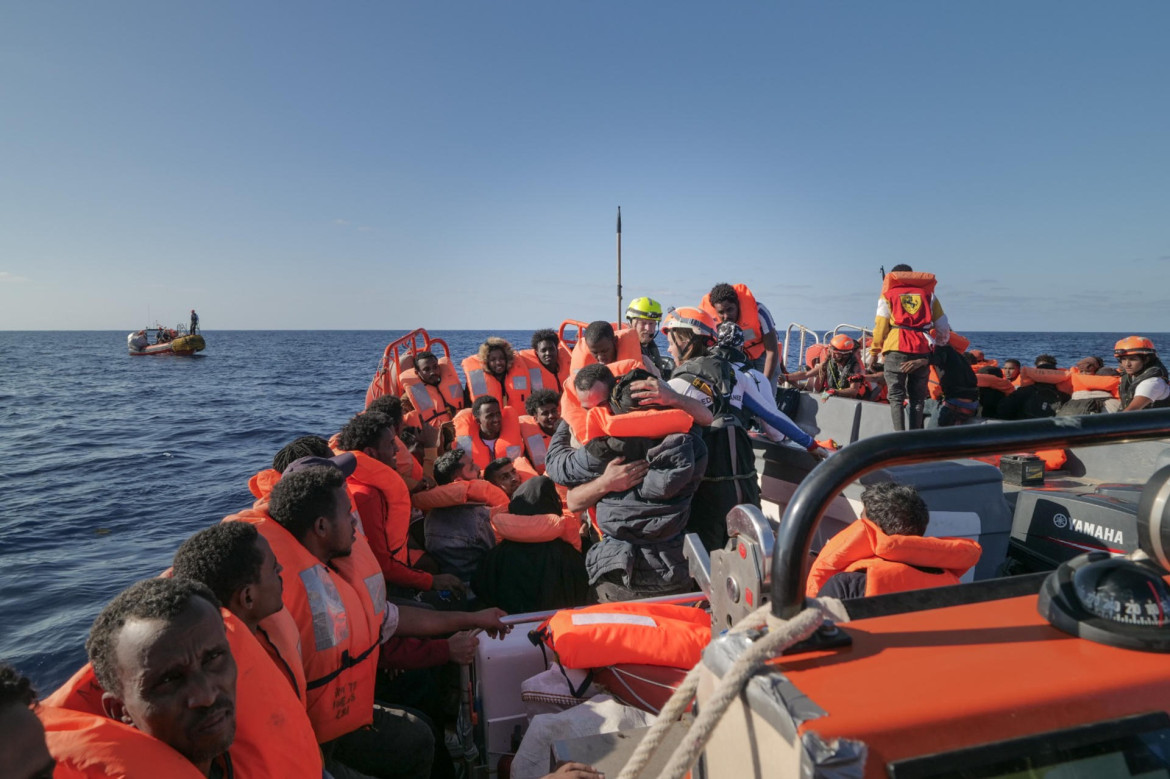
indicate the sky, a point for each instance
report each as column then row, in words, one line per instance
column 459, row 165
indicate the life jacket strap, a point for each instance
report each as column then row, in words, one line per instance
column 347, row 662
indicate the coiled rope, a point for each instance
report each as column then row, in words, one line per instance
column 781, row 635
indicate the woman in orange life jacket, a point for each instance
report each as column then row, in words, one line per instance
column 1143, row 381
column 886, row 550
column 497, row 371
column 736, row 303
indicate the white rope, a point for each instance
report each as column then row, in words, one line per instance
column 781, row 635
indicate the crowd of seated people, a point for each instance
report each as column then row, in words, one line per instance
column 314, row 632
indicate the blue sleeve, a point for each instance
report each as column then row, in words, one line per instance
column 778, row 421
column 767, row 323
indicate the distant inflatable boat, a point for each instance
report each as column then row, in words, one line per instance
column 183, row 345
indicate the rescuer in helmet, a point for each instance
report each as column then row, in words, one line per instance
column 1143, row 376
column 731, row 399
column 643, row 315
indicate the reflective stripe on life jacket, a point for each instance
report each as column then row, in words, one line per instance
column 338, row 612
column 910, row 296
column 863, row 545
column 435, row 405
column 549, row 380
column 535, row 442
column 510, row 442
column 749, row 319
column 273, row 735
column 612, row 633
column 515, row 390
column 651, row 423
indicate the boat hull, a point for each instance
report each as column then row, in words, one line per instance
column 184, row 346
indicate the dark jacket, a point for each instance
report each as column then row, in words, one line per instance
column 642, row 528
column 458, row 537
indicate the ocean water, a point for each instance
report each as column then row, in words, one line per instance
column 107, row 462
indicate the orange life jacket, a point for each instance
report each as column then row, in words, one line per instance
column 571, row 410
column 910, row 296
column 957, row 342
column 631, row 632
column 94, row 746
column 261, row 484
column 995, row 382
column 284, row 647
column 383, row 478
column 626, row 343
column 1082, row 382
column 510, row 442
column 549, row 381
column 535, row 442
column 459, row 492
column 749, row 319
column 1058, row 377
column 339, row 612
column 651, row 423
column 435, row 405
column 890, row 560
column 386, row 382
column 815, row 354
column 273, row 735
column 934, row 384
column 517, row 386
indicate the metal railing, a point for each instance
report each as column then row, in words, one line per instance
column 805, row 334
column 826, row 481
column 417, row 340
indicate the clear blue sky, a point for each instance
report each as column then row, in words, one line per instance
column 459, row 164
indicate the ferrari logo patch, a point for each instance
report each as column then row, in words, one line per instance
column 911, row 303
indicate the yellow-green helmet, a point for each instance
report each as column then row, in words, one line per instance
column 644, row 308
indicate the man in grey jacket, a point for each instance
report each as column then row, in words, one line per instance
column 642, row 520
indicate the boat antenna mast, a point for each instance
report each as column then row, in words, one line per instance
column 882, row 270
column 619, row 265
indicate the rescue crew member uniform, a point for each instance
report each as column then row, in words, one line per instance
column 862, row 560
column 1150, row 383
column 734, row 398
column 907, row 312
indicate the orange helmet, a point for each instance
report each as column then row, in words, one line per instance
column 696, row 320
column 843, row 343
column 1133, row 344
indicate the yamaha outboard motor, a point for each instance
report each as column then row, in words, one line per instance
column 1123, row 602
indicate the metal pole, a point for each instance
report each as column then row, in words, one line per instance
column 619, row 278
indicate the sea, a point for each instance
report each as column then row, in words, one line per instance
column 108, row 461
